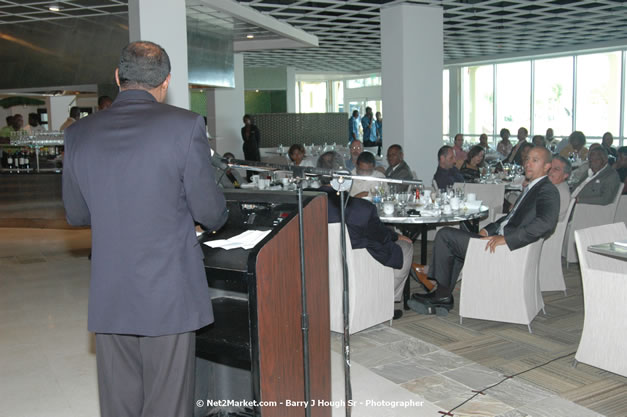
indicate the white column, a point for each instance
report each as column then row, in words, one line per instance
column 163, row 22
column 290, row 89
column 412, row 64
column 454, row 101
column 225, row 110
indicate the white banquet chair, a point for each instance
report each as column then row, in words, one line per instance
column 551, row 274
column 604, row 338
column 621, row 210
column 370, row 286
column 501, row 286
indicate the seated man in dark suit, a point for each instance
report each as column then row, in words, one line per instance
column 534, row 216
column 397, row 167
column 447, row 173
column 601, row 184
column 366, row 230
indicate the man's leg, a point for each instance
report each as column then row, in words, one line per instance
column 168, row 371
column 449, row 251
column 119, row 375
column 400, row 275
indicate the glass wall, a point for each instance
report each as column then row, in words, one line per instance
column 478, row 99
column 513, row 96
column 553, row 95
column 581, row 92
column 598, row 93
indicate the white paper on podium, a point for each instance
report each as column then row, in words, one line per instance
column 246, row 240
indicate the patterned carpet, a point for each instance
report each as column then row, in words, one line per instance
column 510, row 348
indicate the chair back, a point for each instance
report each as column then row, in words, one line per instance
column 492, row 289
column 550, row 273
column 491, row 195
column 621, row 209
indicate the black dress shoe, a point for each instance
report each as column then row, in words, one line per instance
column 433, row 298
column 398, row 314
column 429, row 307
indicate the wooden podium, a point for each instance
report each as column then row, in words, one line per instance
column 259, row 329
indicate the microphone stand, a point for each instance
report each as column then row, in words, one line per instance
column 341, row 181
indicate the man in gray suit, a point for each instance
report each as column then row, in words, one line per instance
column 533, row 216
column 601, row 184
column 139, row 174
column 397, row 167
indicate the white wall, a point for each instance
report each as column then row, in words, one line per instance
column 225, row 109
column 59, row 110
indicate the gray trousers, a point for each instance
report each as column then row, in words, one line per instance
column 141, row 376
column 400, row 275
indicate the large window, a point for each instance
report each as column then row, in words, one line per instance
column 513, row 95
column 598, row 93
column 313, row 97
column 553, row 96
column 371, row 81
column 478, row 99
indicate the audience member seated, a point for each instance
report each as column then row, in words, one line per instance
column 549, row 138
column 533, row 217
column 538, row 140
column 515, row 156
column 397, row 168
column 297, row 155
column 576, row 144
column 471, row 168
column 558, row 175
column 231, row 178
column 366, row 230
column 621, row 166
column 460, row 154
column 606, row 142
column 504, row 147
column 447, row 173
column 483, row 142
column 581, row 172
column 365, row 167
column 355, row 149
column 602, row 182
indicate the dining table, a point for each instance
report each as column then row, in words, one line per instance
column 415, row 221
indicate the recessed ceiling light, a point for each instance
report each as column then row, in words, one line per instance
column 256, row 91
column 54, row 7
column 250, row 36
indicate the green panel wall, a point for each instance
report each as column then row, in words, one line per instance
column 265, row 101
column 198, row 102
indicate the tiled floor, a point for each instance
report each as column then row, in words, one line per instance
column 47, row 360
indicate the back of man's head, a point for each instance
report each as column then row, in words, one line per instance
column 104, row 102
column 143, row 65
column 75, row 112
column 443, row 151
column 366, row 158
column 329, row 160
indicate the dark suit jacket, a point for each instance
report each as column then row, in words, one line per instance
column 602, row 189
column 139, row 174
column 402, row 172
column 365, row 229
column 535, row 217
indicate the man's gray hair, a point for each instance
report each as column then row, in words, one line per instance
column 568, row 167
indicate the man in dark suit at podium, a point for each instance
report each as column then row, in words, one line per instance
column 367, row 231
column 140, row 175
column 534, row 216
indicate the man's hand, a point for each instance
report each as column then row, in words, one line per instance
column 493, row 242
column 362, row 194
column 483, row 232
column 405, row 238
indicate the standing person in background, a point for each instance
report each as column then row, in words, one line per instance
column 379, row 123
column 504, row 147
column 370, row 129
column 251, row 138
column 75, row 114
column 353, row 127
column 104, row 102
column 140, row 175
column 33, row 125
